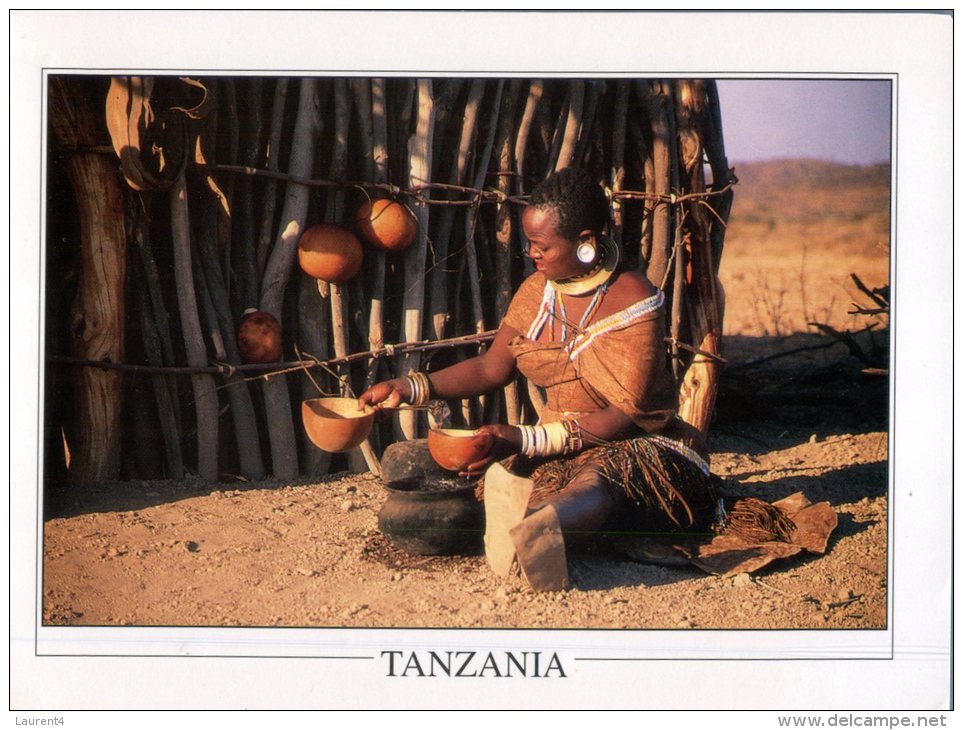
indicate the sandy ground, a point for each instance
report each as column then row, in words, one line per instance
column 163, row 553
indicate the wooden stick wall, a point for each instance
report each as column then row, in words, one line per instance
column 223, row 175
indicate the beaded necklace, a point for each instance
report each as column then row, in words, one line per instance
column 586, row 316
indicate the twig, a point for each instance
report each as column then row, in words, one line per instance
column 875, row 294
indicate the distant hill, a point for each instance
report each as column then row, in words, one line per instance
column 811, row 192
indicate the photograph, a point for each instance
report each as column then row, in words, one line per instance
column 539, row 365
column 291, row 321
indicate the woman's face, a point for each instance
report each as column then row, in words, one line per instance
column 549, row 251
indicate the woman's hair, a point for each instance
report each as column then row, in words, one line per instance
column 578, row 200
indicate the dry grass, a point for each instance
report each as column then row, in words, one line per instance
column 790, row 249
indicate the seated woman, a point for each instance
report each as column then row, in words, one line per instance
column 608, row 450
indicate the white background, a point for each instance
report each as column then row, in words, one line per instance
column 915, row 47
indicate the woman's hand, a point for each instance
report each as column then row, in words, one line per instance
column 506, row 440
column 387, row 394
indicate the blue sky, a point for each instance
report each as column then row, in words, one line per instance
column 840, row 120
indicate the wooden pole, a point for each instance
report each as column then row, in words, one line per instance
column 227, row 150
column 699, row 388
column 266, row 236
column 559, row 134
column 379, row 150
column 245, row 244
column 654, row 96
column 279, row 266
column 154, row 331
column 438, row 281
column 504, row 229
column 246, row 435
column 586, row 129
column 97, row 314
column 680, row 245
column 721, row 174
column 419, row 154
column 617, row 169
column 205, row 393
column 536, row 92
column 363, row 457
column 573, row 125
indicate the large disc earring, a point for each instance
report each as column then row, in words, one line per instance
column 586, row 252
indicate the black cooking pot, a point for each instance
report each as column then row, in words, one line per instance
column 431, row 516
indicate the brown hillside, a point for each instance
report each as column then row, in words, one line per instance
column 813, row 193
column 798, row 229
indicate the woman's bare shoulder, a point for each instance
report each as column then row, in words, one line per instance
column 630, row 287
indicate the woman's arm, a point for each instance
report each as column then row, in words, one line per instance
column 598, row 427
column 605, row 425
column 489, row 371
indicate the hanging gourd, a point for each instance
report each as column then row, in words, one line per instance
column 330, row 253
column 259, row 337
column 387, row 224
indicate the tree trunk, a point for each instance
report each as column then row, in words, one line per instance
column 97, row 315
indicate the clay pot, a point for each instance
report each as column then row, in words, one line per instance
column 433, row 517
column 330, row 253
column 259, row 338
column 387, row 224
column 455, row 448
column 336, row 424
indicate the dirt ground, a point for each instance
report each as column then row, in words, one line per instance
column 310, row 554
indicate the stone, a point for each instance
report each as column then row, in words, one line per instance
column 408, row 459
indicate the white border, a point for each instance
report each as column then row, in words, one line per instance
column 917, row 47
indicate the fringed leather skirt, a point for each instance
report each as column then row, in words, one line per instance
column 665, row 489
